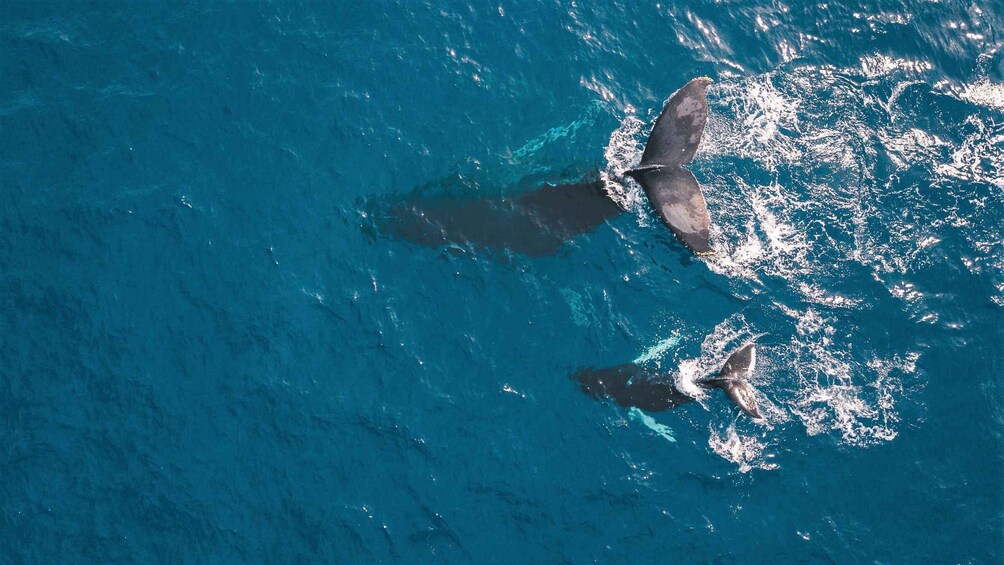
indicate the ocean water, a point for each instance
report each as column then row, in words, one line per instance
column 207, row 356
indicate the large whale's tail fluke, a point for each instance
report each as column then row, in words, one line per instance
column 677, row 132
column 672, row 190
column 677, row 198
column 732, row 379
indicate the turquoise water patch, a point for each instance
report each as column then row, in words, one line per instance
column 659, row 350
column 663, row 430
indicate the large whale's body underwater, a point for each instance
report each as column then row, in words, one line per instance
column 539, row 222
column 535, row 223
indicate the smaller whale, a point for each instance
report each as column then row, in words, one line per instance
column 630, row 385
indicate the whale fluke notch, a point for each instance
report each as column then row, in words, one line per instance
column 673, row 191
column 732, row 379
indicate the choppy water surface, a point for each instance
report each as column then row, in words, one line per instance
column 207, row 355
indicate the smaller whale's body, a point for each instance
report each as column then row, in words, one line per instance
column 630, row 385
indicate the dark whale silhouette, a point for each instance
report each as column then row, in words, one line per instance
column 630, row 385
column 540, row 222
column 536, row 223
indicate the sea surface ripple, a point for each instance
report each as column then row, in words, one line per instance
column 207, row 356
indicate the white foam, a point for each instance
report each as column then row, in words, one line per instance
column 878, row 65
column 762, row 229
column 623, row 152
column 837, row 393
column 763, row 123
column 985, row 93
column 978, row 159
column 770, row 241
column 747, row 452
column 828, row 198
column 714, row 351
column 822, row 215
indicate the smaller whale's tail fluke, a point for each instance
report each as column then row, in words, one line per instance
column 631, row 385
column 732, row 379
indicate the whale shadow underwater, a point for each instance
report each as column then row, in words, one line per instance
column 535, row 223
column 540, row 222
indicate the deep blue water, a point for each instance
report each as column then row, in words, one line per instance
column 206, row 356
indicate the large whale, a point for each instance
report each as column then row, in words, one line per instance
column 540, row 222
column 630, row 385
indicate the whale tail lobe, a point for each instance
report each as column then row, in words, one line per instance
column 678, row 129
column 677, row 198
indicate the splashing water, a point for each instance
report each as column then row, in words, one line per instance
column 622, row 153
column 747, row 452
column 825, row 217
